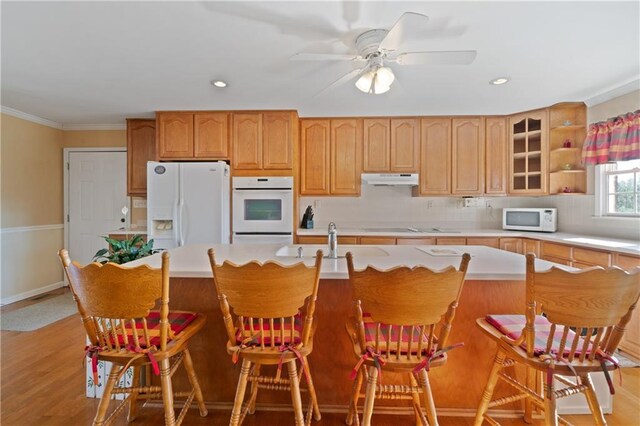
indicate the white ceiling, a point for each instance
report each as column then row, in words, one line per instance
column 98, row 62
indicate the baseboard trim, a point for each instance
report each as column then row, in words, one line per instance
column 30, row 293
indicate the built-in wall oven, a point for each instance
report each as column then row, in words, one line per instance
column 262, row 209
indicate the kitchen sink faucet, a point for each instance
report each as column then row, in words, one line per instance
column 333, row 241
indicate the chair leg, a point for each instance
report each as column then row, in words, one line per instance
column 133, row 406
column 550, row 413
column 106, row 396
column 296, row 400
column 490, row 386
column 254, row 389
column 592, row 400
column 427, row 397
column 370, row 396
column 355, row 395
column 420, row 419
column 193, row 379
column 312, row 391
column 167, row 392
column 242, row 386
column 531, row 379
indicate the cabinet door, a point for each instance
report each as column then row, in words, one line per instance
column 314, row 157
column 531, row 246
column 467, row 174
column 591, row 257
column 247, row 141
column 277, row 142
column 211, row 135
column 527, row 156
column 511, row 244
column 405, row 145
column 141, row 147
column 435, row 156
column 175, row 135
column 376, row 145
column 496, row 156
column 346, row 156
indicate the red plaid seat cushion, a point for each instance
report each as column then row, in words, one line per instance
column 512, row 326
column 370, row 336
column 252, row 337
column 178, row 321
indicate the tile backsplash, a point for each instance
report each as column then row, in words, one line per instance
column 394, row 205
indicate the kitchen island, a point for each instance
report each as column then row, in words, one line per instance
column 495, row 284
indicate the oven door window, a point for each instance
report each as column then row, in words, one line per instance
column 256, row 209
column 523, row 219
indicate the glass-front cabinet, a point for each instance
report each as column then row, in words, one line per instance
column 528, row 148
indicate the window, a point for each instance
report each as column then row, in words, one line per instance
column 620, row 188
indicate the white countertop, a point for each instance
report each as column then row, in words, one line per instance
column 600, row 243
column 486, row 263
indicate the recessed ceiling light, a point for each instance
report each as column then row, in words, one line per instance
column 218, row 83
column 498, row 81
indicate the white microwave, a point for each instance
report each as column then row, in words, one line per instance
column 528, row 219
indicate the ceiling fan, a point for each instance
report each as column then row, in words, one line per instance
column 378, row 47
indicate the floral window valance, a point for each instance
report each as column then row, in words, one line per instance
column 617, row 139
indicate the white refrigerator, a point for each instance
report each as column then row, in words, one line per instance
column 188, row 203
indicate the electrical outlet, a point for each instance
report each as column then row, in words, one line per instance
column 429, row 204
column 487, row 204
column 316, row 204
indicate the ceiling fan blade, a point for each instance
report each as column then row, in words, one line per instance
column 325, row 57
column 345, row 78
column 408, row 23
column 454, row 57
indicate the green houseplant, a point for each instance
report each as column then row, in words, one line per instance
column 123, row 251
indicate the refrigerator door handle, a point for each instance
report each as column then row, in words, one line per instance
column 181, row 220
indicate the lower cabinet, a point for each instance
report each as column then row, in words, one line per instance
column 415, row 241
column 451, row 241
column 319, row 239
column 531, row 246
column 631, row 340
column 511, row 244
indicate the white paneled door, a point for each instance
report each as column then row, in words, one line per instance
column 97, row 194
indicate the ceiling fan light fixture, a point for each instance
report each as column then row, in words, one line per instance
column 500, row 80
column 376, row 81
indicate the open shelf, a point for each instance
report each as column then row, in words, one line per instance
column 560, row 150
column 572, row 127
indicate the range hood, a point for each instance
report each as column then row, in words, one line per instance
column 390, row 179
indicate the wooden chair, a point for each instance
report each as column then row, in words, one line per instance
column 572, row 325
column 115, row 304
column 273, row 307
column 402, row 323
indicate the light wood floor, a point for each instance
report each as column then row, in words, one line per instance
column 42, row 383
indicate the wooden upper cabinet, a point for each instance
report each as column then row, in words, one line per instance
column 376, row 145
column 247, row 141
column 141, row 147
column 405, row 145
column 496, row 156
column 211, row 135
column 277, row 143
column 435, row 153
column 314, row 157
column 527, row 156
column 346, row 156
column 467, row 173
column 175, row 135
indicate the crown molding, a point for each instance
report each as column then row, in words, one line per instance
column 614, row 93
column 94, row 127
column 30, row 117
